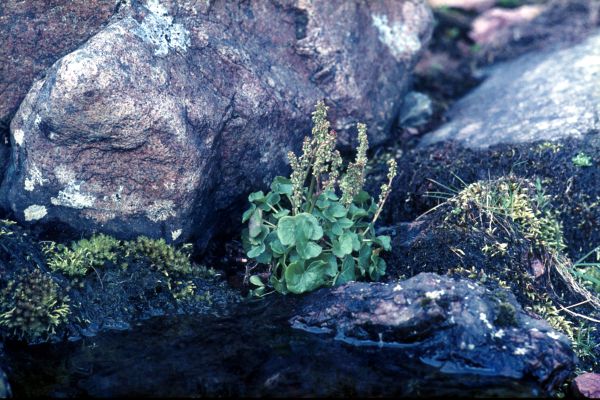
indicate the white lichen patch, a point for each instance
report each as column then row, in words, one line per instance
column 553, row 335
column 397, row 288
column 18, row 136
column 483, row 318
column 76, row 66
column 64, row 175
column 158, row 29
column 499, row 334
column 520, row 351
column 72, row 197
column 160, row 210
column 398, row 37
column 175, row 234
column 35, row 178
column 434, row 295
column 35, row 212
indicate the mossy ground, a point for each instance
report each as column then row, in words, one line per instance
column 50, row 291
column 521, row 252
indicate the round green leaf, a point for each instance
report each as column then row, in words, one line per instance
column 273, row 198
column 282, row 185
column 364, row 258
column 300, row 280
column 308, row 250
column 337, row 210
column 248, row 213
column 347, row 273
column 256, row 197
column 255, row 224
column 281, row 214
column 304, row 227
column 362, row 197
column 286, row 231
column 343, row 245
column 277, row 247
column 256, row 281
column 256, row 251
column 384, row 241
column 377, row 268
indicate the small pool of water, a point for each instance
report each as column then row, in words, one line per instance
column 252, row 352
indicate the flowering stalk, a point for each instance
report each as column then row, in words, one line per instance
column 354, row 180
column 386, row 188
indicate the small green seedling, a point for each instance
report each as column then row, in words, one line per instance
column 582, row 160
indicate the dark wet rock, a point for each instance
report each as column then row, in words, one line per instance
column 5, row 391
column 171, row 114
column 454, row 325
column 543, row 96
column 36, row 33
column 586, row 386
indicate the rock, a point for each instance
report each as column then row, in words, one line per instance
column 586, row 385
column 416, row 110
column 36, row 33
column 454, row 325
column 562, row 23
column 472, row 5
column 544, row 96
column 5, row 391
column 170, row 115
column 491, row 27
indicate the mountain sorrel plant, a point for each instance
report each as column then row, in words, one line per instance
column 317, row 228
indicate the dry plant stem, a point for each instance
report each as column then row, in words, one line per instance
column 573, row 313
column 561, row 267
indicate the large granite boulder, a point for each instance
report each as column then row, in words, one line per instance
column 36, row 33
column 454, row 325
column 172, row 113
column 541, row 96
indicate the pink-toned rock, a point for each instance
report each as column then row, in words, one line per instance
column 164, row 121
column 492, row 26
column 587, row 385
column 477, row 5
column 36, row 33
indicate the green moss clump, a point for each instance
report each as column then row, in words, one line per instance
column 83, row 255
column 162, row 256
column 507, row 315
column 102, row 253
column 32, row 307
column 518, row 200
